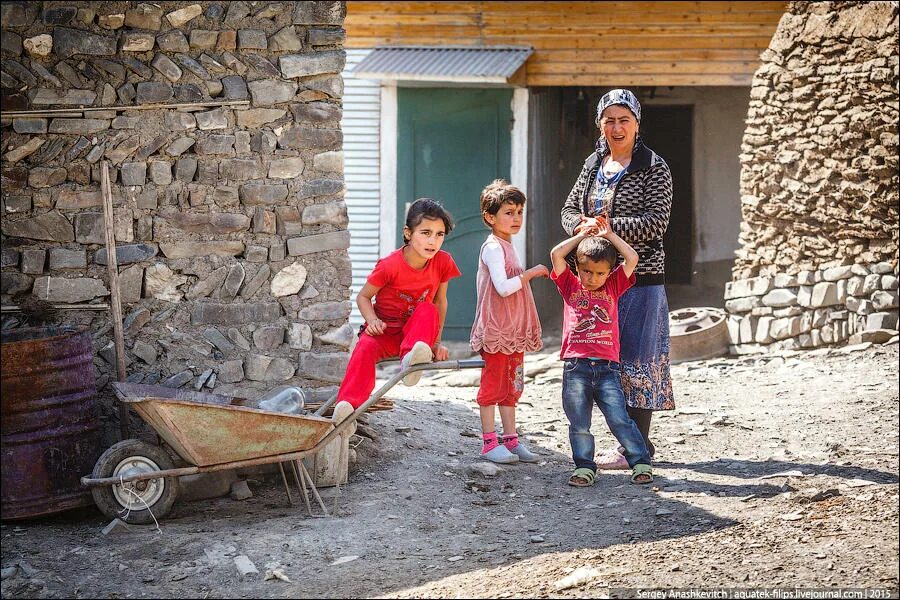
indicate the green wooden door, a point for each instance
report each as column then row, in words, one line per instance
column 451, row 142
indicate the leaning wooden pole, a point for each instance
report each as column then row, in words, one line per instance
column 114, row 291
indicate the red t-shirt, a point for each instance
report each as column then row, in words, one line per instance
column 591, row 319
column 402, row 288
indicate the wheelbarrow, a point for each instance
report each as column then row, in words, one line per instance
column 137, row 482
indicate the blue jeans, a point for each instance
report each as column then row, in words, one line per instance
column 588, row 381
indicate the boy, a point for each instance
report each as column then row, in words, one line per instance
column 590, row 348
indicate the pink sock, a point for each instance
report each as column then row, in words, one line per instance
column 490, row 441
column 511, row 441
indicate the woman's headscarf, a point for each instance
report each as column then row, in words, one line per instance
column 619, row 96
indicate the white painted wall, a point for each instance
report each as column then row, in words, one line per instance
column 519, row 162
column 388, row 168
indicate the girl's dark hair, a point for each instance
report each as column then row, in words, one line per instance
column 427, row 208
column 596, row 249
column 496, row 194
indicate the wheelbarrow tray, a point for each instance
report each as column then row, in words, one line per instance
column 211, row 429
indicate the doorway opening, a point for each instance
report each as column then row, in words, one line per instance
column 562, row 135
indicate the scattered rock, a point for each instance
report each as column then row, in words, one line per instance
column 39, row 45
column 578, row 577
column 245, row 566
column 487, row 469
column 240, row 490
column 272, row 574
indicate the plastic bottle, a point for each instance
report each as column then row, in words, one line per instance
column 284, row 399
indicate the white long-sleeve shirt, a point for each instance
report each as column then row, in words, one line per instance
column 492, row 255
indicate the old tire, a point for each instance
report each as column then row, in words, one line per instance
column 697, row 334
column 137, row 501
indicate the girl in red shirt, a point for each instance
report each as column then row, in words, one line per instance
column 404, row 303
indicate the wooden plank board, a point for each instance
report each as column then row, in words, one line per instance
column 575, row 42
column 545, row 19
column 570, row 8
column 635, row 29
column 434, row 33
column 612, row 19
column 541, row 22
column 354, row 8
column 383, row 19
column 697, row 67
column 114, row 289
column 720, row 41
column 655, row 55
column 625, row 9
column 644, row 79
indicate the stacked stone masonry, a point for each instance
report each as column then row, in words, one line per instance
column 229, row 218
column 819, row 182
column 852, row 303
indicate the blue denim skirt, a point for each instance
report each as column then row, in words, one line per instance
column 644, row 348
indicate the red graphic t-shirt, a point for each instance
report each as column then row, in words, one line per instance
column 591, row 319
column 402, row 288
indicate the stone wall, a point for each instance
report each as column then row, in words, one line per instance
column 231, row 229
column 819, row 180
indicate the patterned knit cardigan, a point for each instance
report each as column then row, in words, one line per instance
column 640, row 207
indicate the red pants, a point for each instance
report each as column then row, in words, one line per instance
column 502, row 379
column 359, row 380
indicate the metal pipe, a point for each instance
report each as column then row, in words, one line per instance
column 474, row 363
column 327, row 404
column 301, row 483
column 286, row 486
column 312, row 485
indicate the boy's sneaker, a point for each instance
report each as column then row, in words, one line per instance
column 524, row 454
column 420, row 353
column 500, row 455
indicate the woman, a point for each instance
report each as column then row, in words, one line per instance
column 631, row 185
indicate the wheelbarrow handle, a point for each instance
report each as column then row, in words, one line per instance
column 471, row 363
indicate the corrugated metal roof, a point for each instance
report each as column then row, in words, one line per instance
column 487, row 64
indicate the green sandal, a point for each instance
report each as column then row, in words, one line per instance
column 587, row 477
column 641, row 474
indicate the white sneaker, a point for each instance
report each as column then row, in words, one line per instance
column 524, row 454
column 500, row 455
column 419, row 354
column 342, row 410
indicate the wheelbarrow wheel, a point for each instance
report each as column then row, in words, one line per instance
column 135, row 502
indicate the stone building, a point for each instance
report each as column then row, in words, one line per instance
column 221, row 125
column 819, row 180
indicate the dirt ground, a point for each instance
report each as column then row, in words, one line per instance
column 777, row 471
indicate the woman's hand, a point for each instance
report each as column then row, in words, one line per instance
column 579, row 228
column 440, row 352
column 375, row 327
column 595, row 226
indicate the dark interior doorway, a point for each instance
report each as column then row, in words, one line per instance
column 668, row 131
column 561, row 135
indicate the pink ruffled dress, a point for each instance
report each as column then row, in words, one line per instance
column 504, row 324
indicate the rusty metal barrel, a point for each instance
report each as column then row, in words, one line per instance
column 50, row 423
